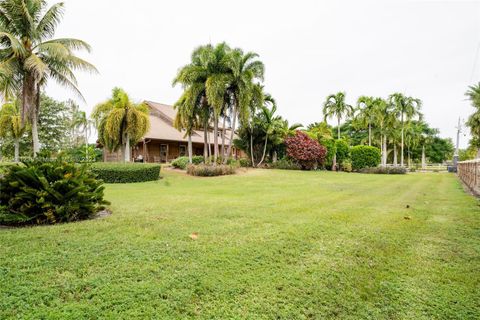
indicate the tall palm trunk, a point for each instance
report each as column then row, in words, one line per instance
column 385, row 150
column 369, row 134
column 205, row 140
column 223, row 139
column 338, row 127
column 16, row 143
column 395, row 162
column 234, row 115
column 30, row 102
column 401, row 154
column 264, row 150
column 251, row 147
column 215, row 140
column 381, row 149
column 127, row 149
column 424, row 161
column 190, row 149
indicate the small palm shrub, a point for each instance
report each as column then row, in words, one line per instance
column 364, row 157
column 384, row 170
column 308, row 153
column 50, row 192
column 205, row 170
column 244, row 162
column 182, row 162
column 285, row 164
column 126, row 172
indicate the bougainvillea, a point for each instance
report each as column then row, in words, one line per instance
column 306, row 151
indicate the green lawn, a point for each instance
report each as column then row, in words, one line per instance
column 271, row 245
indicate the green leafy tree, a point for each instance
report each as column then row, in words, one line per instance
column 11, row 126
column 30, row 57
column 406, row 108
column 120, row 122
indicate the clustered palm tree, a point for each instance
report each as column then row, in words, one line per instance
column 120, row 122
column 29, row 56
column 220, row 83
column 473, row 121
column 395, row 121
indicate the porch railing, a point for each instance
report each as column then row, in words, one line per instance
column 469, row 173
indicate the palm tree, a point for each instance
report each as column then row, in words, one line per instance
column 121, row 122
column 407, row 108
column 366, row 115
column 244, row 71
column 10, row 124
column 30, row 57
column 82, row 124
column 335, row 106
column 473, row 121
column 269, row 122
column 186, row 119
column 382, row 119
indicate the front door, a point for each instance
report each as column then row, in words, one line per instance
column 163, row 153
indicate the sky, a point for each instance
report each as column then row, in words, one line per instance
column 425, row 49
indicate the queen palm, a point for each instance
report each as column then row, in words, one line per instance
column 120, row 122
column 10, row 124
column 30, row 57
column 407, row 108
column 335, row 106
column 366, row 114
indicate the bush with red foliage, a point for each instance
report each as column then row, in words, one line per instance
column 306, row 151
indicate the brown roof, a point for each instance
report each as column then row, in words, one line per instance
column 161, row 125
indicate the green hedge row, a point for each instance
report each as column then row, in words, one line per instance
column 126, row 172
column 364, row 157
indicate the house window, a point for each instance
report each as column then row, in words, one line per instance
column 182, row 150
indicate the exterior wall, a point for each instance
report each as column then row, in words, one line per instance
column 150, row 152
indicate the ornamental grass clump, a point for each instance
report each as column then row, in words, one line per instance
column 205, row 170
column 308, row 153
column 49, row 192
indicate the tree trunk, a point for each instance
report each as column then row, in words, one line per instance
column 401, row 154
column 190, row 151
column 215, row 139
column 127, row 149
column 338, row 118
column 395, row 154
column 251, row 148
column 385, row 150
column 17, row 149
column 381, row 149
column 274, row 157
column 369, row 134
column 424, row 164
column 234, row 115
column 223, row 139
column 205, row 140
column 264, row 150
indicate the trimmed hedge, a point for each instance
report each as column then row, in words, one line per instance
column 384, row 170
column 205, row 170
column 364, row 157
column 126, row 172
column 182, row 162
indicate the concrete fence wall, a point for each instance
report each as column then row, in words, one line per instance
column 469, row 173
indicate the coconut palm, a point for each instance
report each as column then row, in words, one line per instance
column 30, row 57
column 407, row 108
column 366, row 114
column 335, row 106
column 10, row 124
column 120, row 122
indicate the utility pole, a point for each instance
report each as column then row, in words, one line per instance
column 459, row 130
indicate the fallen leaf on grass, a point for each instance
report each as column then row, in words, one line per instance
column 407, row 218
column 194, row 235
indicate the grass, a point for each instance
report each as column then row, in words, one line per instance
column 272, row 244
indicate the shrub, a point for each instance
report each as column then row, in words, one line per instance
column 364, row 157
column 126, row 172
column 285, row 164
column 331, row 150
column 384, row 170
column 346, row 165
column 244, row 162
column 308, row 153
column 49, row 192
column 205, row 170
column 182, row 162
column 342, row 150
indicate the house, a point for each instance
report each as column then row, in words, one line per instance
column 164, row 143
